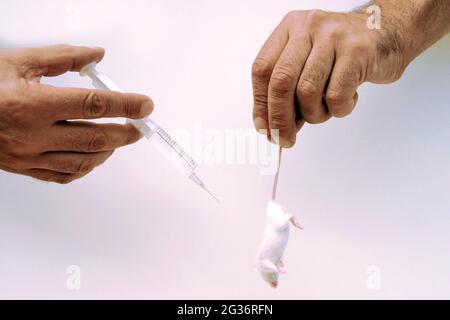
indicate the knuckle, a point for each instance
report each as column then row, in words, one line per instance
column 128, row 108
column 278, row 120
column 95, row 105
column 315, row 14
column 334, row 30
column 72, row 165
column 292, row 15
column 26, row 61
column 337, row 104
column 307, row 90
column 314, row 17
column 98, row 140
column 260, row 100
column 63, row 165
column 261, row 69
column 334, row 99
column 83, row 166
column 281, row 83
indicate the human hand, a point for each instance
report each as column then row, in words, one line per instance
column 37, row 135
column 311, row 66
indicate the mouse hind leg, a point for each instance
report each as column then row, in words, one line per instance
column 268, row 266
column 280, row 266
column 295, row 222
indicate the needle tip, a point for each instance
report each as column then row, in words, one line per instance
column 212, row 195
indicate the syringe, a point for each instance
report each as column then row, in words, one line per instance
column 152, row 131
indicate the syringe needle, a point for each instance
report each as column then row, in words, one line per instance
column 212, row 194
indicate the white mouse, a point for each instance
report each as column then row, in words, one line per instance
column 276, row 235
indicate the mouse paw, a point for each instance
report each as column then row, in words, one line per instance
column 280, row 266
column 296, row 223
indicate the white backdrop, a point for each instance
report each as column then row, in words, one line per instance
column 371, row 189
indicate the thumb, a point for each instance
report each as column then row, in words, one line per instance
column 56, row 60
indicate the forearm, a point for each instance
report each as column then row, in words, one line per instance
column 414, row 25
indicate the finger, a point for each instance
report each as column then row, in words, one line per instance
column 261, row 72
column 299, row 124
column 74, row 103
column 282, row 87
column 56, row 60
column 90, row 137
column 71, row 162
column 53, row 176
column 312, row 83
column 341, row 96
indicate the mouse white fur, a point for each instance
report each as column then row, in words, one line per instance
column 276, row 235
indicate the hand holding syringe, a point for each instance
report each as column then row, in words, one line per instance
column 162, row 140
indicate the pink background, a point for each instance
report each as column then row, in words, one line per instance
column 371, row 189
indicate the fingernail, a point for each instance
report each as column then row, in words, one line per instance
column 260, row 124
column 99, row 49
column 286, row 142
column 147, row 108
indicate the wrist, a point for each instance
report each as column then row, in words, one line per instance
column 395, row 43
column 414, row 25
column 394, row 37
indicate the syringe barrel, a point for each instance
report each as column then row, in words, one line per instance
column 166, row 145
column 150, row 129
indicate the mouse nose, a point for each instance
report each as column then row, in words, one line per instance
column 274, row 284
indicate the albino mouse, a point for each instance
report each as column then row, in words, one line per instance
column 276, row 235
